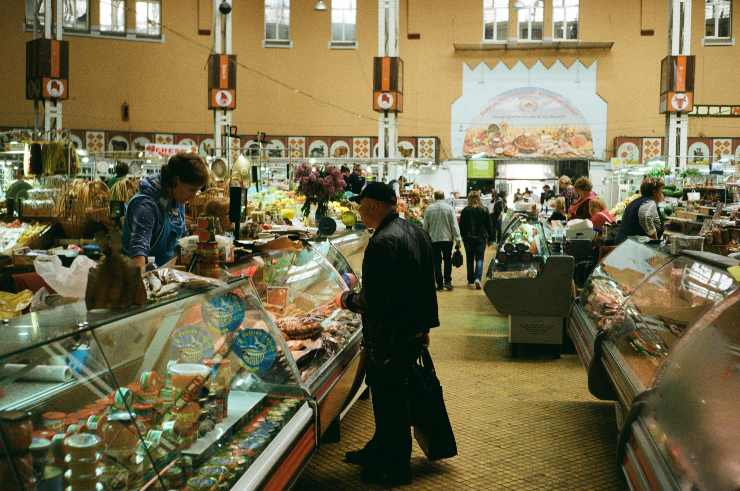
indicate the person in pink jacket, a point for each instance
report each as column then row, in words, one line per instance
column 599, row 214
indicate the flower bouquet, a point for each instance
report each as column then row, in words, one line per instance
column 318, row 186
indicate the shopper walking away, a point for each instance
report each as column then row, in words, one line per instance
column 499, row 207
column 579, row 209
column 641, row 217
column 567, row 191
column 441, row 225
column 398, row 306
column 476, row 231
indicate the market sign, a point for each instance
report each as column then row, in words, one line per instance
column 537, row 112
column 165, row 150
column 480, row 169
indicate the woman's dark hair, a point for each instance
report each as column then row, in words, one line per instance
column 583, row 184
column 189, row 168
column 121, row 169
column 650, row 185
column 344, row 169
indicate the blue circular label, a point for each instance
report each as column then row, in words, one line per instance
column 191, row 344
column 256, row 348
column 225, row 313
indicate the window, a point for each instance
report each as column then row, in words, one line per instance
column 495, row 20
column 277, row 22
column 530, row 18
column 717, row 19
column 148, row 18
column 565, row 19
column 113, row 16
column 343, row 22
column 74, row 15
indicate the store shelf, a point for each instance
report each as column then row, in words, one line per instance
column 536, row 45
column 260, row 469
column 242, row 406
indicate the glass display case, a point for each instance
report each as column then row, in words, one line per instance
column 298, row 281
column 198, row 392
column 523, row 250
column 664, row 330
column 524, row 264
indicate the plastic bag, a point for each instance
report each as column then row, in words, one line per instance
column 68, row 282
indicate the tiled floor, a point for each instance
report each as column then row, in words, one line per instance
column 524, row 423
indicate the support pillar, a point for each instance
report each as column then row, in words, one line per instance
column 677, row 124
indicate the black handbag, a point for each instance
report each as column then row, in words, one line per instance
column 457, row 259
column 432, row 428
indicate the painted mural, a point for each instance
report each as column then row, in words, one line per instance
column 533, row 112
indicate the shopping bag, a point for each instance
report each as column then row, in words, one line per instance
column 432, row 428
column 457, row 258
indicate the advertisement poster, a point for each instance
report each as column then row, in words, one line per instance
column 537, row 112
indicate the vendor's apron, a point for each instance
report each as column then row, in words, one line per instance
column 163, row 247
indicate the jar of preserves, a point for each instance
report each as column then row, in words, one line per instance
column 17, row 429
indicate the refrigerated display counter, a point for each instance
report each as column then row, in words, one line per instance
column 659, row 335
column 198, row 390
column 298, row 281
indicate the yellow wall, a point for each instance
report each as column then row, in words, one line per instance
column 165, row 83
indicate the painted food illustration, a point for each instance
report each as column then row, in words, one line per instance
column 507, row 141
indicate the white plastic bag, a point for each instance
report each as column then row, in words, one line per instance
column 68, row 282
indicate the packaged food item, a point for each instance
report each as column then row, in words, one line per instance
column 17, row 429
column 200, row 483
column 53, row 421
column 119, row 435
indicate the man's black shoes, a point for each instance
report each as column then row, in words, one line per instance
column 359, row 457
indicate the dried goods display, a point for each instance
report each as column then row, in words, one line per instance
column 17, row 234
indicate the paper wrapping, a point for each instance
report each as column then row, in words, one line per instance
column 40, row 373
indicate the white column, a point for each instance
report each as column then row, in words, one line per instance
column 217, row 31
column 228, row 49
column 677, row 124
column 381, row 137
column 47, row 19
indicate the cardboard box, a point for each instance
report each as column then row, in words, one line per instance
column 535, row 329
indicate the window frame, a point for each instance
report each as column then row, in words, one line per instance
column 147, row 35
column 715, row 38
column 65, row 28
column 111, row 32
column 533, row 10
column 493, row 9
column 343, row 43
column 565, row 9
column 277, row 42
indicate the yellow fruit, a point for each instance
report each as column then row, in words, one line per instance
column 287, row 213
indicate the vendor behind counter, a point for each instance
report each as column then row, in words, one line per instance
column 155, row 216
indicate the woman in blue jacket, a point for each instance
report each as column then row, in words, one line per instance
column 155, row 216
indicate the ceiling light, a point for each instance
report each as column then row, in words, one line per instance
column 320, row 6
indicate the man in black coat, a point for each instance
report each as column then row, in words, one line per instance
column 398, row 303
